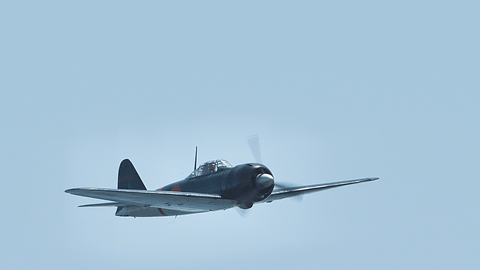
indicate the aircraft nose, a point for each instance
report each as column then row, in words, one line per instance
column 264, row 180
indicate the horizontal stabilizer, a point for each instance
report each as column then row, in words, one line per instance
column 102, row 204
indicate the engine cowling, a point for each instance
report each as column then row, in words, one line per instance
column 258, row 185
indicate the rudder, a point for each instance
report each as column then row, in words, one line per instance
column 128, row 177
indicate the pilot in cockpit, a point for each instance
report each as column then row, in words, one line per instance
column 213, row 167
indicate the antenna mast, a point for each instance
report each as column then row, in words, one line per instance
column 195, row 166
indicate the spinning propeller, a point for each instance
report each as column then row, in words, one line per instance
column 254, row 144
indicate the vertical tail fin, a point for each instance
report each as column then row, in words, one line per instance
column 128, row 177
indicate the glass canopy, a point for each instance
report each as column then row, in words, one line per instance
column 210, row 167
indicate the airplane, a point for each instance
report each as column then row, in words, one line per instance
column 214, row 185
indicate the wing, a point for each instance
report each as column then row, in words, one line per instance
column 298, row 191
column 180, row 201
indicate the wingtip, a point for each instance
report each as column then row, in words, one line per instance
column 72, row 190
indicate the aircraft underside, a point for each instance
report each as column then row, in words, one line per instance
column 141, row 211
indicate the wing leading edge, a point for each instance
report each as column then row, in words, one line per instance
column 302, row 190
column 173, row 200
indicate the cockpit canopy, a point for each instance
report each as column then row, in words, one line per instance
column 210, row 167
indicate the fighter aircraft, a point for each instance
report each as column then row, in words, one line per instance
column 212, row 186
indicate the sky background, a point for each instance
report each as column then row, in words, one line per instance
column 336, row 90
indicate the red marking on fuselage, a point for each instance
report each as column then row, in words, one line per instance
column 160, row 188
column 176, row 188
column 161, row 211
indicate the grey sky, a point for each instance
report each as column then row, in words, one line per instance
column 336, row 90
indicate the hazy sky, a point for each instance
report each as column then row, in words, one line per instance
column 336, row 90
